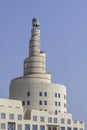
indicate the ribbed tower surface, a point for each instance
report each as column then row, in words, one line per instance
column 35, row 64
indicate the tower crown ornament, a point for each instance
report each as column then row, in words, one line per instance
column 35, row 22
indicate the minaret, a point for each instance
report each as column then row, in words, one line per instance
column 35, row 64
column 34, row 88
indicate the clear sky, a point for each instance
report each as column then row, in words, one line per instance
column 63, row 26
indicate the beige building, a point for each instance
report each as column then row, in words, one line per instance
column 35, row 103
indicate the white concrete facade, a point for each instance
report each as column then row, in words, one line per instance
column 35, row 103
column 53, row 94
column 13, row 116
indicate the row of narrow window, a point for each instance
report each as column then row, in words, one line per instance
column 52, row 120
column 11, row 116
column 59, row 104
column 23, row 103
column 45, row 103
column 69, row 128
column 27, row 126
column 40, row 103
column 58, row 95
column 11, row 126
column 40, row 94
column 45, row 94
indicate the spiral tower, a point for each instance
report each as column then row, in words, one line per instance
column 35, row 64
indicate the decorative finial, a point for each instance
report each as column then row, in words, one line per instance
column 35, row 22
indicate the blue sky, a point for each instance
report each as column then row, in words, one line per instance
column 63, row 26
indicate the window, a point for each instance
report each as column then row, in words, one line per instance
column 45, row 102
column 23, row 103
column 68, row 121
column 34, row 127
column 40, row 93
column 68, row 128
column 40, row 102
column 49, row 128
column 49, row 119
column 55, row 111
column 55, row 94
column 28, row 94
column 64, row 96
column 3, row 115
column 28, row 102
column 34, row 118
column 55, row 103
column 19, row 117
column 27, row 127
column 75, row 128
column 55, row 120
column 62, row 120
column 45, row 94
column 62, row 128
column 64, row 104
column 11, row 125
column 42, row 119
column 59, row 95
column 3, row 126
column 42, row 127
column 54, row 128
column 58, row 103
column 20, row 127
column 11, row 116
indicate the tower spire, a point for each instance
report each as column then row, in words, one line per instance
column 34, row 65
column 35, row 22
